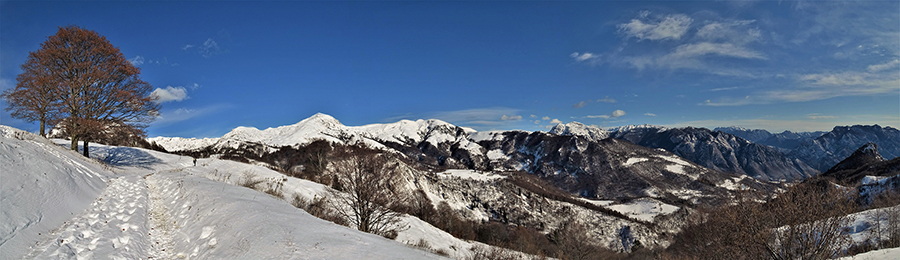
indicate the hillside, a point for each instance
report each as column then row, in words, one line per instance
column 150, row 204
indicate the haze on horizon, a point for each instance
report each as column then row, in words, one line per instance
column 774, row 65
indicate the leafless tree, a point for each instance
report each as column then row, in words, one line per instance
column 95, row 85
column 368, row 189
column 805, row 222
column 35, row 97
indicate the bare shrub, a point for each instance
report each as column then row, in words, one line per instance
column 320, row 207
column 480, row 252
column 274, row 187
column 571, row 240
column 249, row 180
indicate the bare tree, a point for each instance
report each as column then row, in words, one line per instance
column 98, row 88
column 805, row 222
column 808, row 222
column 368, row 189
column 35, row 97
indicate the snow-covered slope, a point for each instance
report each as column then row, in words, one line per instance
column 42, row 186
column 883, row 254
column 57, row 204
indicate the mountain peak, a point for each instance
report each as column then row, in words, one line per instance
column 579, row 129
column 866, row 154
column 322, row 119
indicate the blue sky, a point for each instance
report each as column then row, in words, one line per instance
column 788, row 65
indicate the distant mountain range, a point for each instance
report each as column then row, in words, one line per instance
column 584, row 172
column 786, row 140
column 575, row 163
column 712, row 149
column 755, row 153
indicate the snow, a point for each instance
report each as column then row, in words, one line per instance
column 675, row 168
column 644, row 209
column 734, row 183
column 42, row 186
column 57, row 204
column 182, row 144
column 632, row 161
column 601, row 203
column 874, row 180
column 679, row 165
column 472, row 175
column 674, row 159
column 864, row 223
column 883, row 254
column 497, row 154
column 579, row 129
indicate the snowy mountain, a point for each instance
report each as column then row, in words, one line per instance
column 752, row 135
column 575, row 128
column 138, row 204
column 829, row 149
column 712, row 149
column 784, row 141
column 865, row 161
column 575, row 157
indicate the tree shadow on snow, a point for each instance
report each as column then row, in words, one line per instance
column 127, row 156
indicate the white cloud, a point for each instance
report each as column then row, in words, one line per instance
column 779, row 125
column 209, row 48
column 187, row 47
column 545, row 118
column 607, row 100
column 884, row 66
column 537, row 122
column 533, row 116
column 614, row 114
column 730, row 31
column 555, row 121
column 649, row 114
column 669, row 27
column 706, row 48
column 817, row 116
column 722, row 89
column 510, row 118
column 169, row 94
column 584, row 56
column 479, row 118
column 580, row 104
column 181, row 114
column 137, row 60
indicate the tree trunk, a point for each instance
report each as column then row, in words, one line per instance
column 42, row 128
column 74, row 146
column 86, row 154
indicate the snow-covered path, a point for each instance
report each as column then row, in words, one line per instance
column 121, row 210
